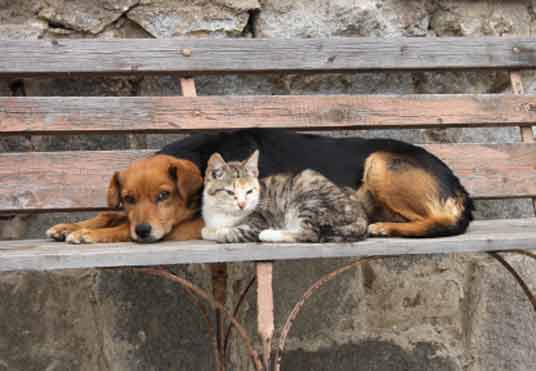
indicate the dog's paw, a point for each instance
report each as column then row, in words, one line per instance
column 81, row 236
column 378, row 229
column 59, row 232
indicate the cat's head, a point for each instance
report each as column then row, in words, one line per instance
column 233, row 186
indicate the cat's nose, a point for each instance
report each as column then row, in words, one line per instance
column 241, row 205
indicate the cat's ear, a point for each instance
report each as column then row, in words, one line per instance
column 216, row 166
column 252, row 164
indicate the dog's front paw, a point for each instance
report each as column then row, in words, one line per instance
column 59, row 232
column 81, row 236
column 378, row 229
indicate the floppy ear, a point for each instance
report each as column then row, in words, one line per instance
column 188, row 179
column 114, row 191
column 252, row 164
column 215, row 166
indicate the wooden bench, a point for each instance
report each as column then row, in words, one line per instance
column 38, row 182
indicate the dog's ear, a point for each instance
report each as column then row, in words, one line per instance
column 114, row 191
column 188, row 178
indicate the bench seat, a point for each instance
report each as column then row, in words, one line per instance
column 486, row 235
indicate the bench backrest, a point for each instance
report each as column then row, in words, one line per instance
column 60, row 181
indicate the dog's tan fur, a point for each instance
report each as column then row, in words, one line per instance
column 176, row 217
column 404, row 200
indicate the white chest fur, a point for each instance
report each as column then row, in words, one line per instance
column 216, row 216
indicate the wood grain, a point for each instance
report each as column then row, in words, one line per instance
column 59, row 180
column 61, row 115
column 204, row 56
column 77, row 180
column 491, row 235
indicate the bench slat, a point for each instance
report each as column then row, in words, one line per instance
column 61, row 115
column 44, row 181
column 490, row 235
column 203, row 56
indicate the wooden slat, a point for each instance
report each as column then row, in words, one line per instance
column 55, row 115
column 527, row 136
column 78, row 180
column 489, row 235
column 202, row 56
column 59, row 180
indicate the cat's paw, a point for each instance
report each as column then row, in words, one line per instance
column 214, row 234
column 272, row 235
column 209, row 233
column 59, row 232
column 80, row 236
column 378, row 229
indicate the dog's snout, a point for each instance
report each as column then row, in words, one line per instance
column 143, row 230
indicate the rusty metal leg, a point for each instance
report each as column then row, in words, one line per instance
column 166, row 274
column 265, row 310
column 219, row 291
column 235, row 314
column 516, row 276
column 306, row 295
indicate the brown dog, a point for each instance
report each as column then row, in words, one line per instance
column 160, row 198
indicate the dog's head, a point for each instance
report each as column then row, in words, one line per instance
column 157, row 193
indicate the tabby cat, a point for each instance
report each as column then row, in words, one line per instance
column 305, row 207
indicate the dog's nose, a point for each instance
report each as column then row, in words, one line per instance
column 143, row 230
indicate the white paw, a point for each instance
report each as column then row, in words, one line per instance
column 377, row 229
column 59, row 232
column 80, row 236
column 214, row 234
column 271, row 235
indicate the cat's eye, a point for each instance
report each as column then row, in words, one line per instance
column 164, row 195
column 217, row 173
column 130, row 199
column 229, row 192
column 249, row 192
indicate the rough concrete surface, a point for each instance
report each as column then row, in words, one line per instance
column 461, row 312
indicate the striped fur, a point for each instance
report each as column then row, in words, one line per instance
column 304, row 207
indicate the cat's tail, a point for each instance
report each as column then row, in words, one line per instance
column 354, row 232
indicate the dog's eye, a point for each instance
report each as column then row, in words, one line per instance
column 249, row 192
column 164, row 195
column 229, row 192
column 130, row 199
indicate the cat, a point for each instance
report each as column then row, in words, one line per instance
column 304, row 207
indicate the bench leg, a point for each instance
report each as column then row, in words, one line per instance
column 219, row 291
column 265, row 310
column 214, row 304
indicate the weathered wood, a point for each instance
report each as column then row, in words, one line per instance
column 77, row 180
column 492, row 170
column 527, row 136
column 55, row 115
column 59, row 180
column 265, row 309
column 491, row 235
column 202, row 56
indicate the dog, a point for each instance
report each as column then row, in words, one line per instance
column 406, row 191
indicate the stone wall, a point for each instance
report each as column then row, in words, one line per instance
column 412, row 313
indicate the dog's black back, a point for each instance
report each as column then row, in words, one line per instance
column 282, row 151
column 342, row 160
